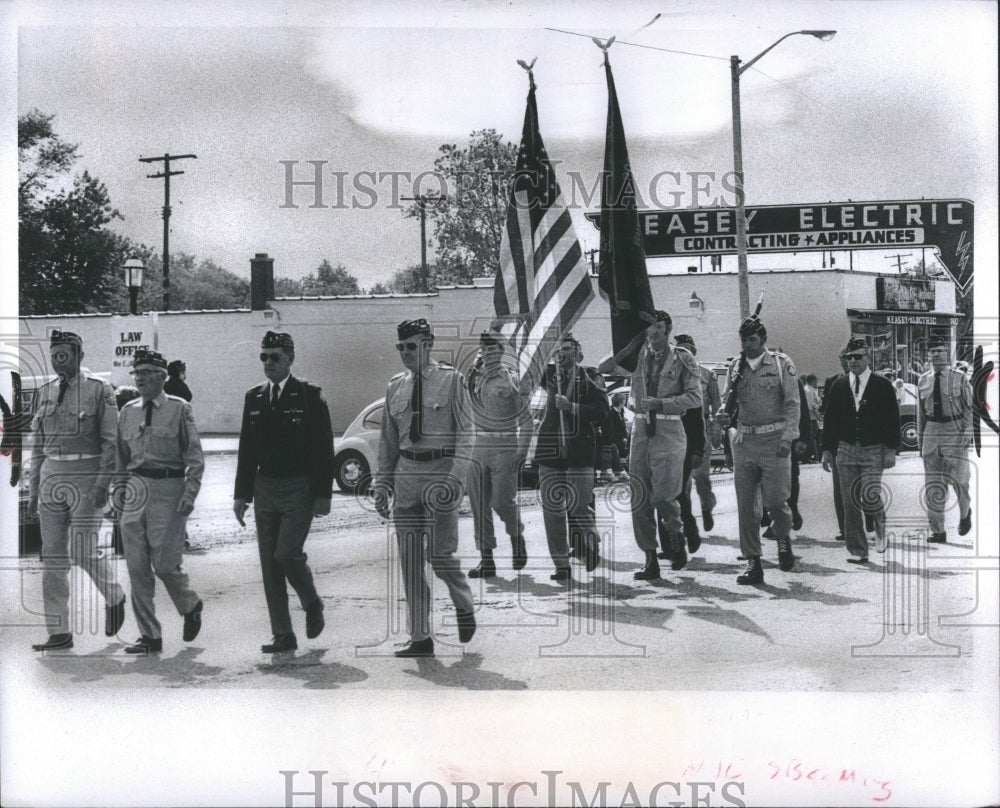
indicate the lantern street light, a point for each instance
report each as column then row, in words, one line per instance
column 133, row 279
column 741, row 225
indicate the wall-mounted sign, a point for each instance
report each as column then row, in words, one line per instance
column 129, row 334
column 944, row 224
column 904, row 294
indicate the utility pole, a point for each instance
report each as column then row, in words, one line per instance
column 166, row 174
column 899, row 260
column 421, row 201
column 590, row 254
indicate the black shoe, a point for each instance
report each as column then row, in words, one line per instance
column 679, row 557
column 561, row 574
column 651, row 572
column 862, row 560
column 487, row 568
column 466, row 626
column 965, row 523
column 314, row 619
column 796, row 520
column 785, row 558
column 417, row 648
column 693, row 540
column 663, row 555
column 769, row 534
column 281, row 642
column 840, row 537
column 938, row 538
column 592, row 558
column 708, row 519
column 519, row 560
column 192, row 622
column 146, row 645
column 55, row 642
column 869, row 523
column 114, row 616
column 754, row 573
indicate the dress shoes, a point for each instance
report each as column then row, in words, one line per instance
column 146, row 645
column 965, row 523
column 862, row 560
column 192, row 622
column 280, row 643
column 650, row 572
column 708, row 520
column 314, row 619
column 753, row 574
column 114, row 616
column 693, row 540
column 561, row 574
column 796, row 520
column 839, row 537
column 519, row 559
column 786, row 560
column 486, row 568
column 55, row 642
column 417, row 648
column 938, row 538
column 466, row 626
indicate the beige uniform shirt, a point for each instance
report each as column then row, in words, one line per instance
column 769, row 394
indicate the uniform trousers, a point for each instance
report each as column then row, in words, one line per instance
column 566, row 496
column 283, row 512
column 860, row 471
column 427, row 530
column 71, row 529
column 492, row 487
column 761, row 478
column 153, row 533
column 656, row 470
column 945, row 453
column 838, row 500
column 701, row 475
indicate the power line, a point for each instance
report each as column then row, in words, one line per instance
column 638, row 45
column 166, row 174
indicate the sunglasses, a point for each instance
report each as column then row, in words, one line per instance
column 276, row 357
column 854, row 356
column 407, row 346
column 141, row 374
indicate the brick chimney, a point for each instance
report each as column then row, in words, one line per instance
column 261, row 281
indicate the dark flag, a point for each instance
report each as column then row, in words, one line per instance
column 542, row 285
column 622, row 274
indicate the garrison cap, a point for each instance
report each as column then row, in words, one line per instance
column 410, row 328
column 750, row 326
column 145, row 358
column 856, row 344
column 660, row 316
column 277, row 339
column 65, row 338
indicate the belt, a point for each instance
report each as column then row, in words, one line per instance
column 945, row 420
column 762, row 429
column 72, row 457
column 664, row 417
column 427, row 454
column 159, row 474
column 503, row 433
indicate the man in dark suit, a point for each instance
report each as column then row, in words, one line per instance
column 838, row 503
column 285, row 468
column 861, row 430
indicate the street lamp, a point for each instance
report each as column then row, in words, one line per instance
column 741, row 225
column 133, row 279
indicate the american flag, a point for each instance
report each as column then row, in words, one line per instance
column 542, row 285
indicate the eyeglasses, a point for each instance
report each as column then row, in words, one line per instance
column 855, row 356
column 407, row 346
column 275, row 357
column 144, row 373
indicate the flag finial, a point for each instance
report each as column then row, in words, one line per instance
column 527, row 67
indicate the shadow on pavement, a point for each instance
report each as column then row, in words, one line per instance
column 312, row 671
column 182, row 669
column 465, row 673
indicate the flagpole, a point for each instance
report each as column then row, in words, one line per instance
column 562, row 416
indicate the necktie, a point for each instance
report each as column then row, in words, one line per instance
column 857, row 386
column 937, row 394
column 275, row 392
column 62, row 391
column 148, row 406
column 416, row 401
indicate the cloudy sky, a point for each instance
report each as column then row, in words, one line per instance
column 900, row 104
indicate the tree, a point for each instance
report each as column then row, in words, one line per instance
column 330, row 280
column 469, row 218
column 41, row 156
column 408, row 281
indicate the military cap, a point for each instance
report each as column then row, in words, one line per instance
column 489, row 339
column 65, row 338
column 660, row 316
column 750, row 326
column 410, row 328
column 277, row 339
column 687, row 341
column 936, row 342
column 144, row 358
column 856, row 344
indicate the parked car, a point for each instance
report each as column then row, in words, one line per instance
column 355, row 453
column 906, row 395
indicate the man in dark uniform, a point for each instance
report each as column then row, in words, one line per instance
column 944, row 426
column 838, row 503
column 72, row 459
column 423, row 461
column 159, row 465
column 711, row 401
column 767, row 397
column 502, row 419
column 285, row 467
column 176, row 384
column 861, row 429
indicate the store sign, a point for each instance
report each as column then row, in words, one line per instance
column 129, row 334
column 944, row 224
column 899, row 319
column 904, row 294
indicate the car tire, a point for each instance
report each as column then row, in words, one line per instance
column 352, row 472
column 908, row 435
